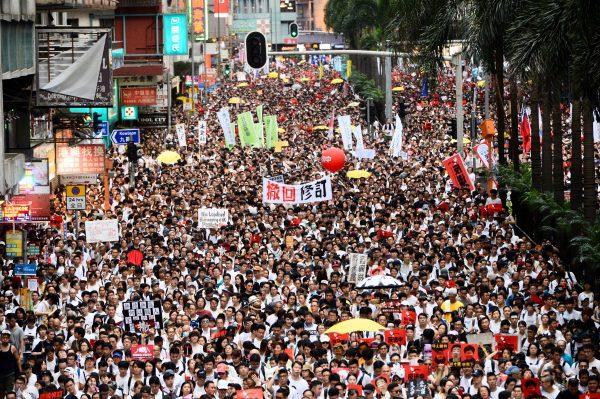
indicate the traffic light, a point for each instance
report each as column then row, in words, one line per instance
column 256, row 50
column 96, row 122
column 132, row 152
column 294, row 30
column 227, row 70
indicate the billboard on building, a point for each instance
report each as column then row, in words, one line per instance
column 83, row 158
column 175, row 34
column 73, row 67
column 199, row 19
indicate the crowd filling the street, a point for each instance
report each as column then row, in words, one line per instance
column 248, row 272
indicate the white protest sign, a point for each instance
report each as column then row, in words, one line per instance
column 357, row 270
column 180, row 130
column 202, row 132
column 396, row 146
column 225, row 121
column 364, row 153
column 292, row 194
column 481, row 150
column 101, row 230
column 358, row 136
column 212, row 218
column 346, row 131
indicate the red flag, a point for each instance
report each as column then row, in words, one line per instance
column 525, row 129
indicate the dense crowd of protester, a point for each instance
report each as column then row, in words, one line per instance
column 246, row 306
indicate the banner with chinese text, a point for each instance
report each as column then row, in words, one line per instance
column 455, row 166
column 138, row 95
column 293, row 194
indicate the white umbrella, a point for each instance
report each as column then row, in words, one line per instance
column 296, row 86
column 379, row 281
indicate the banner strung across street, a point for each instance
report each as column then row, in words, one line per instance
column 225, row 121
column 139, row 316
column 292, row 194
column 455, row 166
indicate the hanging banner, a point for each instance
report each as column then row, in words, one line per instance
column 346, row 131
column 358, row 136
column 225, row 121
column 246, row 129
column 397, row 138
column 259, row 128
column 271, row 131
column 202, row 132
column 180, row 131
column 455, row 166
column 293, row 194
column 199, row 18
column 357, row 270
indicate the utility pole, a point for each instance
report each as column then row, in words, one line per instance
column 2, row 177
column 168, row 102
column 459, row 106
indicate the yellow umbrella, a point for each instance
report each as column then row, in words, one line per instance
column 243, row 84
column 280, row 130
column 168, row 157
column 304, row 79
column 273, row 75
column 354, row 325
column 398, row 88
column 183, row 98
column 320, row 127
column 235, row 100
column 337, row 81
column 481, row 84
column 466, row 141
column 286, row 80
column 357, row 174
column 354, row 104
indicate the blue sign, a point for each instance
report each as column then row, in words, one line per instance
column 102, row 131
column 25, row 269
column 124, row 136
column 175, row 34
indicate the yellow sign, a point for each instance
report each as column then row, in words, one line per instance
column 14, row 244
column 76, row 191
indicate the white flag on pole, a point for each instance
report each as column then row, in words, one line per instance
column 346, row 131
column 396, row 146
column 358, row 136
column 225, row 121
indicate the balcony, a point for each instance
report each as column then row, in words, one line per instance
column 75, row 4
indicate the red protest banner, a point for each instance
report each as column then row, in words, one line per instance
column 507, row 341
column 334, row 338
column 395, row 336
column 455, row 166
column 392, row 306
column 408, row 317
column 53, row 394
column 142, row 352
column 439, row 353
column 256, row 393
column 414, row 372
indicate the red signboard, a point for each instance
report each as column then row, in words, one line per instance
column 395, row 336
column 455, row 166
column 39, row 206
column 144, row 95
column 142, row 352
column 80, row 159
column 221, row 8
